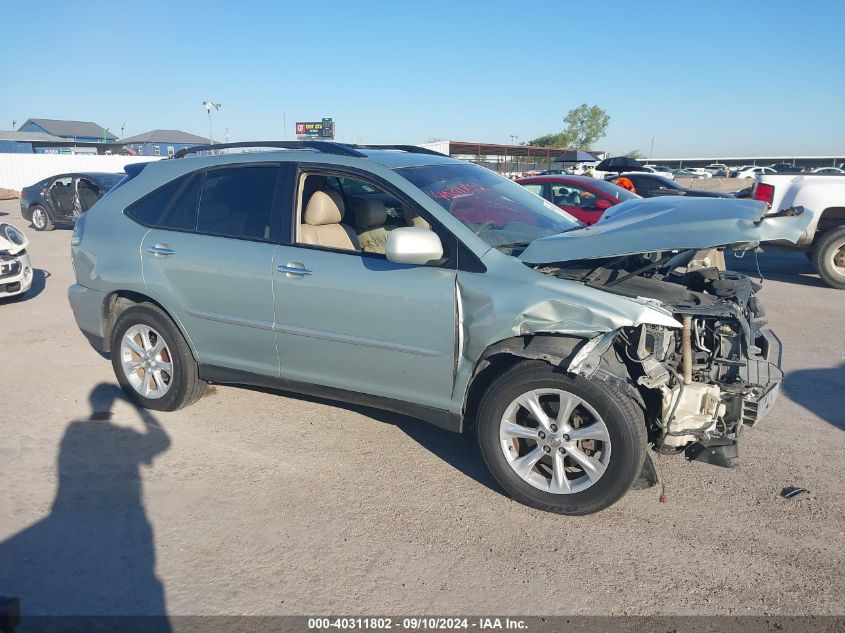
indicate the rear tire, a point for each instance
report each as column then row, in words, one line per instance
column 41, row 219
column 616, row 459
column 145, row 341
column 829, row 257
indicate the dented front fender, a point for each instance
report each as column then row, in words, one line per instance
column 518, row 301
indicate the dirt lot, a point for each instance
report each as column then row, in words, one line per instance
column 254, row 502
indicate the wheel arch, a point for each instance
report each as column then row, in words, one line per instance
column 557, row 350
column 554, row 349
column 830, row 218
column 118, row 301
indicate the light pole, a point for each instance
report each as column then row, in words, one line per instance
column 513, row 138
column 651, row 153
column 209, row 106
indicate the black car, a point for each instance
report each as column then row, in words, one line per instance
column 652, row 186
column 786, row 168
column 63, row 198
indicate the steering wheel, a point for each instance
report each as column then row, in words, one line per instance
column 487, row 224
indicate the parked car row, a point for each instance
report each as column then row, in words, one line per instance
column 752, row 171
column 719, row 170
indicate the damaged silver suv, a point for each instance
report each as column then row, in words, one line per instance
column 401, row 279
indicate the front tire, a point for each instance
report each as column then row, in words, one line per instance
column 558, row 442
column 829, row 257
column 152, row 360
column 41, row 219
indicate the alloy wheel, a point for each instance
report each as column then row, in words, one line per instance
column 146, row 361
column 39, row 219
column 555, row 441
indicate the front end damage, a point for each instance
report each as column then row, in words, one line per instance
column 16, row 273
column 700, row 383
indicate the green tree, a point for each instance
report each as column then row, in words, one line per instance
column 635, row 154
column 550, row 140
column 584, row 126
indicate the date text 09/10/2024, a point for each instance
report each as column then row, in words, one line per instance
column 415, row 623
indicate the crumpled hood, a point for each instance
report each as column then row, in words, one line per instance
column 668, row 223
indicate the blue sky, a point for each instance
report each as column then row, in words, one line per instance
column 703, row 78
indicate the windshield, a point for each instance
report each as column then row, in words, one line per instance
column 502, row 213
column 108, row 181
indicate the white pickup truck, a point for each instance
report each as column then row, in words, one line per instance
column 822, row 196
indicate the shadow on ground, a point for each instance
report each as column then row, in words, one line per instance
column 459, row 450
column 820, row 391
column 39, row 283
column 94, row 553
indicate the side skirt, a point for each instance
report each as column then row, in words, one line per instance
column 222, row 375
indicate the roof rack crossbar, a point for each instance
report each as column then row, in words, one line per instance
column 326, row 147
column 411, row 149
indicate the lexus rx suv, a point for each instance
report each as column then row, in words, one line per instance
column 400, row 278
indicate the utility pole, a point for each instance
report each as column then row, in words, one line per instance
column 651, row 153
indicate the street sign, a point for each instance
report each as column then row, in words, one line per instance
column 306, row 130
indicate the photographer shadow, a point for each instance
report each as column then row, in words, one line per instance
column 94, row 554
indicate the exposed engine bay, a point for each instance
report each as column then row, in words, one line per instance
column 702, row 382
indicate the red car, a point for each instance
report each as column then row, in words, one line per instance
column 581, row 196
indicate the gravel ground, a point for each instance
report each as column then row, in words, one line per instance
column 254, row 502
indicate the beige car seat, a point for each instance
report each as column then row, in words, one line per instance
column 370, row 219
column 322, row 223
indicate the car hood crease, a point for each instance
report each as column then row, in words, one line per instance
column 670, row 223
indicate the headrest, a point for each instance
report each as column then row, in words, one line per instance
column 323, row 209
column 338, row 200
column 413, row 219
column 370, row 213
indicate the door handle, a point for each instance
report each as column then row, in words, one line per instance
column 160, row 250
column 294, row 269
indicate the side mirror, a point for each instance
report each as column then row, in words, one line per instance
column 602, row 204
column 413, row 245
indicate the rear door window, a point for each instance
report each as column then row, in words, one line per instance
column 238, row 202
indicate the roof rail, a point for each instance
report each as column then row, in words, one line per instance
column 326, row 147
column 411, row 149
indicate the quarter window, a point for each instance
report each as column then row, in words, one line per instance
column 237, row 202
column 148, row 209
column 182, row 214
